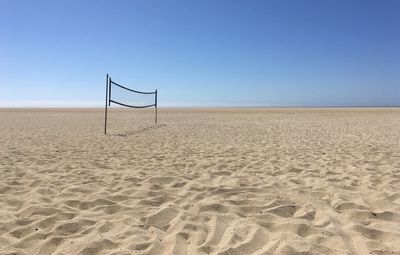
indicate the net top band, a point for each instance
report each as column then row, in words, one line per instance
column 136, row 91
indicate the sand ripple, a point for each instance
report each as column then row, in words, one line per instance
column 204, row 182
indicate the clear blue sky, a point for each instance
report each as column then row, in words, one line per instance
column 202, row 53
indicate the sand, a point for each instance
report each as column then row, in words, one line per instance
column 203, row 181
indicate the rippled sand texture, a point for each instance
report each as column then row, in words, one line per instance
column 233, row 181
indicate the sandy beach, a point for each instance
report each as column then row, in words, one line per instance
column 202, row 181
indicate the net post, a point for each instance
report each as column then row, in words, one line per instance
column 156, row 106
column 109, row 91
column 105, row 110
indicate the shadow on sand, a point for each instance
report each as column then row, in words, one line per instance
column 139, row 131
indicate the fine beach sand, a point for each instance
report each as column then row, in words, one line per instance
column 203, row 181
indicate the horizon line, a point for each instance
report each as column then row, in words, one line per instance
column 208, row 107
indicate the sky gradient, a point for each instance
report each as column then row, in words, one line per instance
column 202, row 53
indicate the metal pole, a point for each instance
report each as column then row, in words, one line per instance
column 156, row 107
column 109, row 91
column 105, row 112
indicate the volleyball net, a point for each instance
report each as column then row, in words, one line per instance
column 123, row 96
